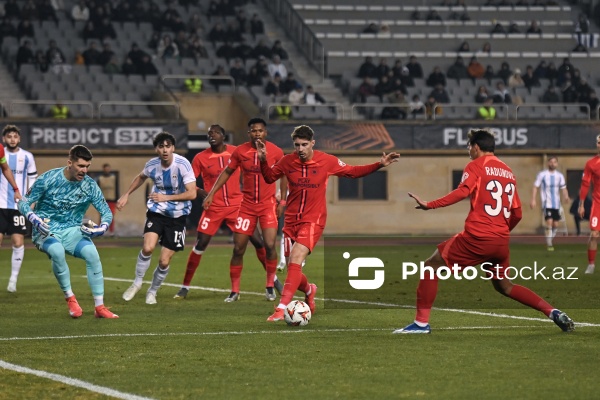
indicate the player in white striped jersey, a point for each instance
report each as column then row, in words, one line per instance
column 550, row 183
column 12, row 223
column 168, row 206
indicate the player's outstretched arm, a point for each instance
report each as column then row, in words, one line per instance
column 421, row 205
column 387, row 159
column 189, row 194
column 136, row 183
column 7, row 172
column 221, row 180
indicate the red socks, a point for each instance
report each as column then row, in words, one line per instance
column 530, row 298
column 271, row 267
column 591, row 256
column 192, row 264
column 235, row 273
column 295, row 278
column 426, row 292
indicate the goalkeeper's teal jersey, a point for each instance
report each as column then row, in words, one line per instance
column 64, row 202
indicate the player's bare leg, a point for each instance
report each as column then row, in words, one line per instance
column 592, row 247
column 202, row 242
column 270, row 239
column 550, row 231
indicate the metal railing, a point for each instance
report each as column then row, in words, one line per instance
column 360, row 111
column 550, row 110
column 300, row 33
column 205, row 78
column 140, row 103
column 501, row 110
column 308, row 111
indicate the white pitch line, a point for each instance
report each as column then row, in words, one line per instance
column 225, row 333
column 72, row 382
column 379, row 304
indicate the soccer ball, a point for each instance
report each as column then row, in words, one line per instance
column 297, row 313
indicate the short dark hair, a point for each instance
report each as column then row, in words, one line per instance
column 303, row 132
column 220, row 128
column 10, row 128
column 162, row 137
column 256, row 120
column 80, row 151
column 484, row 138
column 552, row 157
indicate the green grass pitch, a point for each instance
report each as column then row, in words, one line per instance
column 203, row 348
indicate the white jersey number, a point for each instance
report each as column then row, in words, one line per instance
column 497, row 191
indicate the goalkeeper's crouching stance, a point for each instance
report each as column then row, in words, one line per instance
column 61, row 197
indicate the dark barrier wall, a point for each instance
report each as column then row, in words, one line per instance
column 365, row 136
column 102, row 135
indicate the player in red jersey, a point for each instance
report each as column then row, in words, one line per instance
column 495, row 211
column 307, row 171
column 258, row 205
column 591, row 174
column 226, row 204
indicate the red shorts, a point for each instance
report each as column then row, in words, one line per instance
column 211, row 219
column 305, row 233
column 464, row 250
column 251, row 214
column 595, row 217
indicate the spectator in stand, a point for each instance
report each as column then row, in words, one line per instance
column 233, row 32
column 534, row 28
column 80, row 11
column 583, row 24
column 367, row 68
column 136, row 55
column 128, row 67
column 195, row 25
column 593, row 102
column 432, row 107
column 262, row 67
column 541, row 70
column 12, row 10
column 274, row 87
column 416, row 106
column 41, row 62
column 382, row 68
column 464, row 47
column 56, row 59
column 256, row 26
column 482, row 95
column 213, row 10
column 414, row 68
column 261, row 49
column 289, row 83
column 505, row 72
column 277, row 49
column 397, row 68
column 529, row 78
column 475, row 69
column 91, row 55
column 433, row 16
column 276, row 66
column 436, row 77
column 78, row 58
column 197, row 48
column 579, row 48
column 501, row 94
column 254, row 78
column 227, row 8
column 226, row 51
column 498, row 29
column 217, row 34
column 486, row 48
column 112, row 66
column 242, row 20
column 220, row 73
column 551, row 95
column 25, row 54
column 516, row 80
column 243, row 51
column 89, row 31
column 552, row 72
column 383, row 87
column 458, row 70
column 514, row 28
column 147, row 67
column 154, row 40
column 371, row 28
column 584, row 90
column 124, row 13
column 238, row 72
column 440, row 94
column 46, row 11
column 29, row 10
column 107, row 54
column 7, row 29
column 576, row 77
column 489, row 74
column 25, row 29
column 486, row 111
column 569, row 92
column 405, row 79
column 296, row 96
column 563, row 69
column 106, row 30
column 365, row 89
column 399, row 109
column 312, row 97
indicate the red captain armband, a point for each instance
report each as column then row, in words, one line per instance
column 16, row 189
column 282, row 202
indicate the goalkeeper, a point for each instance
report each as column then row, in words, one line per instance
column 61, row 197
